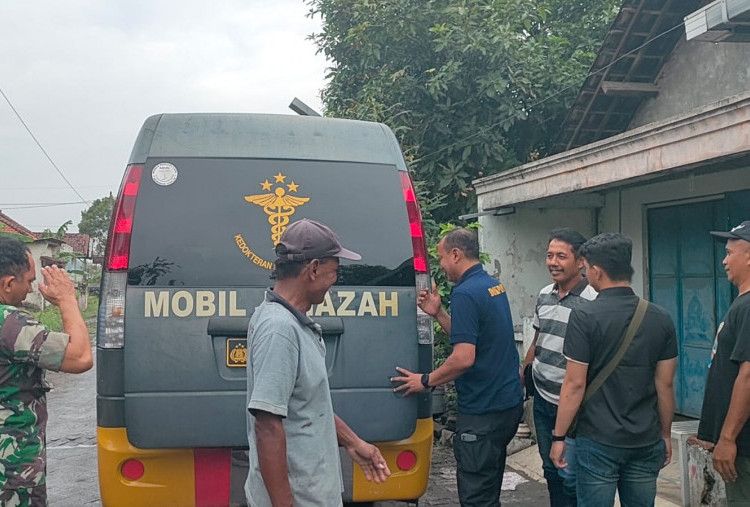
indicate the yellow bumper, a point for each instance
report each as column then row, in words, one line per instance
column 168, row 477
column 169, row 480
column 401, row 485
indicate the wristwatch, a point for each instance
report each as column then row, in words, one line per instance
column 557, row 438
column 426, row 381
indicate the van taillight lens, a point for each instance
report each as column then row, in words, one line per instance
column 421, row 264
column 118, row 246
column 110, row 331
column 425, row 334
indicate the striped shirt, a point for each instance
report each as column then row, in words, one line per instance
column 551, row 320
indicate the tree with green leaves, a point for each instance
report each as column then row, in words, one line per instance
column 60, row 233
column 95, row 222
column 470, row 87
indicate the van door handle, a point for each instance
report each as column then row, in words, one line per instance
column 232, row 327
column 236, row 327
column 331, row 325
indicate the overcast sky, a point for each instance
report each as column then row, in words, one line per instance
column 84, row 75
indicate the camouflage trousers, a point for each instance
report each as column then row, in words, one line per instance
column 24, row 497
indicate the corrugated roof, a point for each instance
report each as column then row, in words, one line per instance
column 596, row 115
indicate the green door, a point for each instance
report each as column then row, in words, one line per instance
column 687, row 279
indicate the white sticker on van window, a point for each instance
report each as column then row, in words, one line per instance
column 164, row 174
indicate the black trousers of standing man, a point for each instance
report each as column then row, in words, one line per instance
column 480, row 448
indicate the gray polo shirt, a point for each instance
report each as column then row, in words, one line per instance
column 287, row 376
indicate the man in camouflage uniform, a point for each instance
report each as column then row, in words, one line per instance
column 27, row 348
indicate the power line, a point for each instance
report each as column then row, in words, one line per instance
column 83, row 201
column 56, row 188
column 532, row 106
column 37, row 205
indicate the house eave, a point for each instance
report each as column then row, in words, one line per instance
column 719, row 130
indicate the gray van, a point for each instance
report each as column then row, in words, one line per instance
column 190, row 251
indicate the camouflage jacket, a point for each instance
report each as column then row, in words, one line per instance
column 27, row 348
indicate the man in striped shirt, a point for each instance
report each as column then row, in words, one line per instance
column 554, row 304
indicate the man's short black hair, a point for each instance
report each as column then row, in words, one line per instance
column 567, row 235
column 286, row 269
column 14, row 257
column 463, row 239
column 612, row 252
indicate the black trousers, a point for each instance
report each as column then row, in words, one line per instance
column 480, row 448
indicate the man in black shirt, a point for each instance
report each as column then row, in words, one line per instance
column 726, row 403
column 623, row 432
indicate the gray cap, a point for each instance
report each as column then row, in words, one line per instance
column 742, row 231
column 306, row 239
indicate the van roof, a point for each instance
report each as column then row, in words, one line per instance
column 246, row 135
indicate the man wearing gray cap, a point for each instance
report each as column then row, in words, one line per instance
column 726, row 403
column 292, row 430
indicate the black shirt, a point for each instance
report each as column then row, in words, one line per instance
column 731, row 348
column 623, row 412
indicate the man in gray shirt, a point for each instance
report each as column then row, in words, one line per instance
column 292, row 430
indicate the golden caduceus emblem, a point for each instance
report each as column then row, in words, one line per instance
column 279, row 204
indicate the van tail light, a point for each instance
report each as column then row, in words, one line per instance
column 117, row 256
column 110, row 332
column 111, row 321
column 421, row 263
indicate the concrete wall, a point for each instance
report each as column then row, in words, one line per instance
column 697, row 74
column 517, row 245
column 706, row 487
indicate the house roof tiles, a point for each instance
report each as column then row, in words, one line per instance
column 8, row 225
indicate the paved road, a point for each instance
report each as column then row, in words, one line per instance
column 71, row 452
column 518, row 489
column 71, row 440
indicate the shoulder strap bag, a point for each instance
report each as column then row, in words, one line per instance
column 601, row 377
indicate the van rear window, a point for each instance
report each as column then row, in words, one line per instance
column 214, row 224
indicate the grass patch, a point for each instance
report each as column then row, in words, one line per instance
column 51, row 317
column 92, row 309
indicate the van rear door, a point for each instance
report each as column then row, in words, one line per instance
column 201, row 255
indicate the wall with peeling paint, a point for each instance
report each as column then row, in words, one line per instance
column 706, row 485
column 517, row 245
